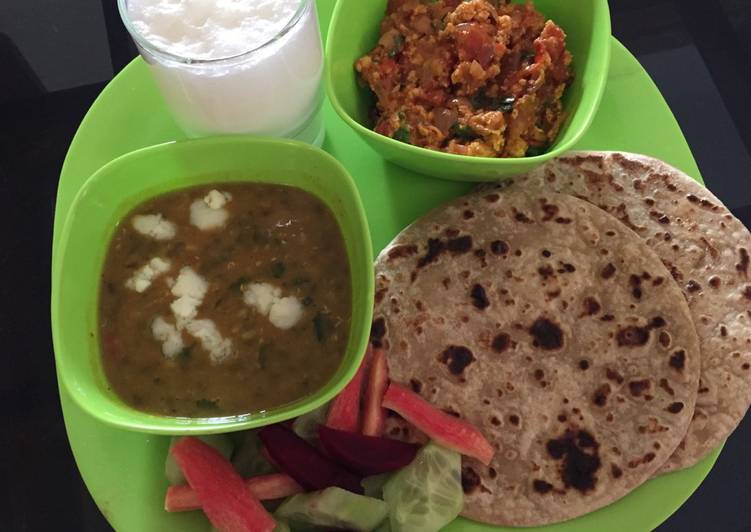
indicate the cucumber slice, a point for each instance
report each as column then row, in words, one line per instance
column 247, row 458
column 385, row 526
column 373, row 485
column 281, row 526
column 306, row 425
column 334, row 507
column 220, row 442
column 426, row 495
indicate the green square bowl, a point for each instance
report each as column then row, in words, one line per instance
column 355, row 29
column 122, row 184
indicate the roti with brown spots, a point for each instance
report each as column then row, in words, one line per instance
column 707, row 251
column 550, row 326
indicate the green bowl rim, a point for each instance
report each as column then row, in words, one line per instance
column 601, row 33
column 166, row 425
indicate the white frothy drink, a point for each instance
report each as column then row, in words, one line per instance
column 235, row 66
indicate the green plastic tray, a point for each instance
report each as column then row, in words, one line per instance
column 123, row 470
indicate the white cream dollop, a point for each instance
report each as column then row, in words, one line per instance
column 154, row 226
column 285, row 312
column 208, row 213
column 261, row 296
column 189, row 290
column 165, row 332
column 205, row 331
column 216, row 200
column 142, row 278
column 266, row 299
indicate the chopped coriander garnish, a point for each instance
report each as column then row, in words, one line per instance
column 534, row 151
column 263, row 355
column 185, row 353
column 237, row 286
column 299, row 281
column 397, row 45
column 401, row 134
column 463, row 132
column 259, row 236
column 507, row 104
column 480, row 100
column 278, row 269
column 207, row 404
column 321, row 327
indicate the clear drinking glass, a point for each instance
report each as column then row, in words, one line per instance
column 273, row 89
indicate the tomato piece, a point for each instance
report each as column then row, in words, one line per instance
column 378, row 379
column 344, row 412
column 444, row 429
column 552, row 41
column 550, row 47
column 435, row 97
column 384, row 128
column 221, row 492
column 475, row 42
column 395, row 5
column 388, row 66
column 183, row 498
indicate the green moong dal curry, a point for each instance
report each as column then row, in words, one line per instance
column 224, row 299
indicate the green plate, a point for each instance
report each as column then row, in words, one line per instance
column 124, row 470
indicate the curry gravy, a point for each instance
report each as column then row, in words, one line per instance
column 199, row 318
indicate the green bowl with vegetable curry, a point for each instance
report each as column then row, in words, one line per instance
column 212, row 285
column 470, row 90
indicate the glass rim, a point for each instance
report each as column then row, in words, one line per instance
column 151, row 47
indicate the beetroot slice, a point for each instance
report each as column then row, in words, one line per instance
column 303, row 462
column 366, row 455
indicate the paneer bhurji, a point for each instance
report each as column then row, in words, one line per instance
column 476, row 77
column 223, row 300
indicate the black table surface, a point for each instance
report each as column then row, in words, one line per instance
column 55, row 58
